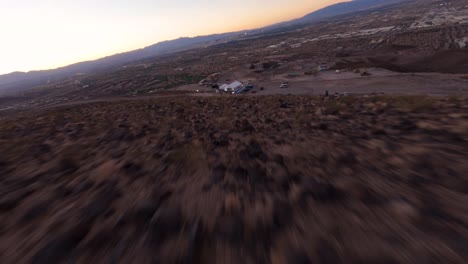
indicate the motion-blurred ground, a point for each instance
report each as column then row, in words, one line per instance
column 269, row 179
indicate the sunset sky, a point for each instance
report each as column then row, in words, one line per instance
column 44, row 34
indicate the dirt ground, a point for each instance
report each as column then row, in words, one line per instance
column 379, row 81
column 442, row 61
column 223, row 179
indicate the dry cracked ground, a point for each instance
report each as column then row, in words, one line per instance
column 271, row 179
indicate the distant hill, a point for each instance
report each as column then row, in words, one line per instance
column 18, row 81
column 339, row 9
column 344, row 8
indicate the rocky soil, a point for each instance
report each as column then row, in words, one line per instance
column 266, row 179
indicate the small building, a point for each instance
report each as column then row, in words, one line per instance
column 233, row 87
column 462, row 43
column 236, row 85
column 224, row 87
column 203, row 82
column 322, row 68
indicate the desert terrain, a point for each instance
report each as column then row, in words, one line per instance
column 362, row 158
column 272, row 179
column 414, row 47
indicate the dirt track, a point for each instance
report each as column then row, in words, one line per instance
column 445, row 61
column 274, row 179
column 380, row 81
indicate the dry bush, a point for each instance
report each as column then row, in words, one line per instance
column 455, row 100
column 336, row 106
column 188, row 158
column 411, row 103
column 414, row 103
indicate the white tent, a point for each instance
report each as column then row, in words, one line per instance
column 236, row 86
column 224, row 87
column 233, row 87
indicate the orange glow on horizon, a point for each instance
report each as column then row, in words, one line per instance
column 49, row 34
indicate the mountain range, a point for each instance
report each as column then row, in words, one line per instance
column 18, row 81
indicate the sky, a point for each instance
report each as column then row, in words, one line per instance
column 46, row 34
